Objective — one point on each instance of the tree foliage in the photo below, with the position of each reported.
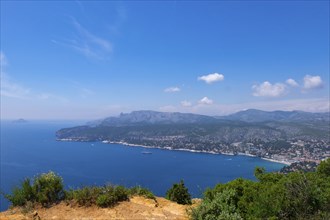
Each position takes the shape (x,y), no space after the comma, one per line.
(296,195)
(179,193)
(324,168)
(45,189)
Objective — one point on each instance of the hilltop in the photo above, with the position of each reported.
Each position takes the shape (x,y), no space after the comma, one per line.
(137,208)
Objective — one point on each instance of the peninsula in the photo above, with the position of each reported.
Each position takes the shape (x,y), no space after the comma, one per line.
(280,136)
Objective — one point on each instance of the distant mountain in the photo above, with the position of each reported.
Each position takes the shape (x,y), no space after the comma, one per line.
(145,117)
(21,120)
(253,115)
(289,136)
(152,117)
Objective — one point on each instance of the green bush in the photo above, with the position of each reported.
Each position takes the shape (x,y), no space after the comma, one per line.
(295,195)
(179,193)
(222,206)
(86,196)
(324,168)
(20,196)
(120,193)
(105,196)
(139,191)
(105,201)
(46,189)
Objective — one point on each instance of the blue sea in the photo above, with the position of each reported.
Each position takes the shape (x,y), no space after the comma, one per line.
(28,149)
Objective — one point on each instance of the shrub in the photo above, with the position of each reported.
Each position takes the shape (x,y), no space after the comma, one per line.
(222,206)
(120,193)
(20,196)
(105,200)
(139,191)
(86,196)
(46,189)
(324,168)
(179,193)
(105,196)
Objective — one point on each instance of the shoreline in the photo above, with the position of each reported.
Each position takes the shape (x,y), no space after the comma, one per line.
(197,151)
(183,149)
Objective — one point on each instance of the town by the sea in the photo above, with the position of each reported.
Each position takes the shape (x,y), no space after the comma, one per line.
(30,148)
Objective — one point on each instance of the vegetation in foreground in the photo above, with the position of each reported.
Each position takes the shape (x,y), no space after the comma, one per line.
(297,195)
(179,194)
(47,189)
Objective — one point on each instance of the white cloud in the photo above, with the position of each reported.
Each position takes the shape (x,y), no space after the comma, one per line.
(211,78)
(312,82)
(87,43)
(292,82)
(205,101)
(11,89)
(3,60)
(52,97)
(267,89)
(186,103)
(172,89)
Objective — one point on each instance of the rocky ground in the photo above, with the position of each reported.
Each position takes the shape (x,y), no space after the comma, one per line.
(136,208)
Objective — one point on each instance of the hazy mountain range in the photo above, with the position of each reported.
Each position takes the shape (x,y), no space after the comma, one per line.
(251,115)
(243,126)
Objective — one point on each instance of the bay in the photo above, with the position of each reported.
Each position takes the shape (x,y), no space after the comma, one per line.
(28,149)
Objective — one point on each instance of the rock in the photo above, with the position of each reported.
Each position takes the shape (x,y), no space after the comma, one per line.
(36,216)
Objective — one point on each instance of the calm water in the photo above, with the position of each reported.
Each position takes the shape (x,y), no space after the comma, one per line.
(30,148)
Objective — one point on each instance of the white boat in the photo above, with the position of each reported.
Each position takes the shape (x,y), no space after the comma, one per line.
(146,152)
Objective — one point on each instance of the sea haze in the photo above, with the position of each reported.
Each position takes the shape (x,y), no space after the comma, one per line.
(30,148)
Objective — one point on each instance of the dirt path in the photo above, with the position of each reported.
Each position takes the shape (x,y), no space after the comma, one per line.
(136,208)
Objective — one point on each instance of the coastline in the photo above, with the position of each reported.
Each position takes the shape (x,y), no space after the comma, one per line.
(198,151)
(277,161)
(183,149)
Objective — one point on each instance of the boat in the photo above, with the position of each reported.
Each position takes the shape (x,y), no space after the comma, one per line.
(146,152)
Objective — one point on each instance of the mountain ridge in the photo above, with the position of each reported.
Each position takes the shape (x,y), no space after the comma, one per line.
(143,117)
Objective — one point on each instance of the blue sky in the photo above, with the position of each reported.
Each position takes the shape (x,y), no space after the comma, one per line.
(91,59)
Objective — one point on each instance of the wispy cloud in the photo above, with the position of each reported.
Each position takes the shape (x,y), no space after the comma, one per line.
(80,5)
(11,89)
(8,87)
(85,93)
(205,101)
(186,103)
(52,97)
(211,78)
(172,89)
(312,82)
(82,90)
(3,60)
(266,89)
(121,16)
(87,43)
